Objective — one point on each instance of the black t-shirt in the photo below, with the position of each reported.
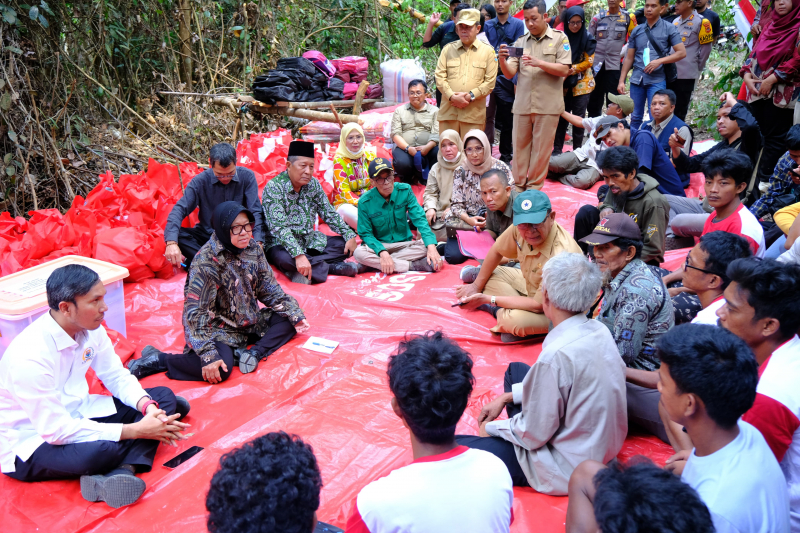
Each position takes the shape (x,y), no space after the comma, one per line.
(713,18)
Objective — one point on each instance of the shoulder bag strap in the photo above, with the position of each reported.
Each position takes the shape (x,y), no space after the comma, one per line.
(657,48)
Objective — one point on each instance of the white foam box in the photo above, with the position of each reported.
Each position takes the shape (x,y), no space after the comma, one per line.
(23,296)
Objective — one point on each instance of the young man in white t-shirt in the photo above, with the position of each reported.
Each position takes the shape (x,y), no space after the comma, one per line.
(708,380)
(762,309)
(448,487)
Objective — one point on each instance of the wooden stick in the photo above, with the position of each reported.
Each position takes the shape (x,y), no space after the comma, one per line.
(307,114)
(362,90)
(336,115)
(336,103)
(411,11)
(378,29)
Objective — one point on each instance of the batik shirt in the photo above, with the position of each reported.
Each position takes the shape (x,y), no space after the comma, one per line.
(351,179)
(290,216)
(467,190)
(636,307)
(222,295)
(780,185)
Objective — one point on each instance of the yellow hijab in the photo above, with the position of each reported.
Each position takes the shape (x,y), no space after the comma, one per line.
(343,151)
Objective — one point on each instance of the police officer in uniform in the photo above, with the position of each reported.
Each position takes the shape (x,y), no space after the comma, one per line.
(697,36)
(611,28)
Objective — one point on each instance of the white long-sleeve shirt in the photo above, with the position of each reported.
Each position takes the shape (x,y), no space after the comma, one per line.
(44,396)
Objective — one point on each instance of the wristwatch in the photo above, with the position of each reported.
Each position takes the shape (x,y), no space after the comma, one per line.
(471,96)
(494,299)
(405,149)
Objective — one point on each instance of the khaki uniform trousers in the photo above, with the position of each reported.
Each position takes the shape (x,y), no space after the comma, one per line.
(533,144)
(461,127)
(402,253)
(506,281)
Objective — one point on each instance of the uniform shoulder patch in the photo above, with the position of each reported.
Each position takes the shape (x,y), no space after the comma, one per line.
(566,47)
(706,34)
(652,229)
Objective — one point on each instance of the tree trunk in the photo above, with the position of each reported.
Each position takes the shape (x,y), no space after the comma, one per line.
(185,35)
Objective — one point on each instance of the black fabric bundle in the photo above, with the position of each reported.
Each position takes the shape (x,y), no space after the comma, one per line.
(296,79)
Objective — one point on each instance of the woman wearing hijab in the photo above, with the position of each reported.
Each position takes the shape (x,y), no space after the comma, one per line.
(467,209)
(227,279)
(772,76)
(350,177)
(439,190)
(578,86)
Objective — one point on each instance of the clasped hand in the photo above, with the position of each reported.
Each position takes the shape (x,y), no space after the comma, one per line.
(156,425)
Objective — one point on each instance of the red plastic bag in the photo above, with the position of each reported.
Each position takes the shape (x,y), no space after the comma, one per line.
(139,250)
(48,230)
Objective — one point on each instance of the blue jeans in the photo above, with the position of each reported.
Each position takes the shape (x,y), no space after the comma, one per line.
(777,248)
(642,94)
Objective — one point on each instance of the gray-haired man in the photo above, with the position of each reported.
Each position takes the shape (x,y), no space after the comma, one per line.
(570,405)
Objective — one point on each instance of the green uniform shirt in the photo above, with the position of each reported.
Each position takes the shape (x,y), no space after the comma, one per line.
(381,220)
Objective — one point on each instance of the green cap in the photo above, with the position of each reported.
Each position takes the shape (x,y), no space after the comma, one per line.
(531,207)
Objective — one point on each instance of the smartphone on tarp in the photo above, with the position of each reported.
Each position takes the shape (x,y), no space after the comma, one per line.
(183,457)
(322,527)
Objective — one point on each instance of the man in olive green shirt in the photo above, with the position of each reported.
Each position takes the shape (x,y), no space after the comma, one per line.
(466,75)
(383,215)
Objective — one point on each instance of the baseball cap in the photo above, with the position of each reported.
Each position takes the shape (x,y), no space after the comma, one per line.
(378,165)
(624,102)
(470,17)
(613,226)
(531,207)
(604,125)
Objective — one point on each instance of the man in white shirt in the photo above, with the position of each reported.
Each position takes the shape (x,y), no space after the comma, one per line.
(52,428)
(448,487)
(578,168)
(708,381)
(705,267)
(569,406)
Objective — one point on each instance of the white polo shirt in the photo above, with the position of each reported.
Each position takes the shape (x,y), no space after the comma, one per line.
(44,396)
(709,314)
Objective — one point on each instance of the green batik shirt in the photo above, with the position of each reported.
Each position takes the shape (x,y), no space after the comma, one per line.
(290,216)
(381,220)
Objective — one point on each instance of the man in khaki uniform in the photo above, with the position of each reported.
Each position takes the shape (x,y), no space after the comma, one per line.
(465,75)
(539,102)
(513,295)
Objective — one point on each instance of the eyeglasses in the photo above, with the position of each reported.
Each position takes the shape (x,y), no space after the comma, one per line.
(478,150)
(386,179)
(237,230)
(687,265)
(416,94)
(577,23)
(225,176)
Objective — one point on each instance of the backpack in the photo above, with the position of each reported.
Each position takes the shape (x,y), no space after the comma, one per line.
(321,62)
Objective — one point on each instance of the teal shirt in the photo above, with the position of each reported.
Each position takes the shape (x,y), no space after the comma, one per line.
(381,220)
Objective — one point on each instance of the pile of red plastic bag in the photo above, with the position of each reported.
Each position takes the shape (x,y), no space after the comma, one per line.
(123,221)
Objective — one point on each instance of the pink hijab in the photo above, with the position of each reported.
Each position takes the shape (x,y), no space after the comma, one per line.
(777,43)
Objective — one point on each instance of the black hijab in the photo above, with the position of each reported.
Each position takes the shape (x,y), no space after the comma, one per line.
(579,42)
(222,220)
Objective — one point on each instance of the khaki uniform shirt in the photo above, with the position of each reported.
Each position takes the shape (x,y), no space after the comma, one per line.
(537,91)
(417,128)
(511,244)
(611,32)
(461,70)
(574,405)
(698,37)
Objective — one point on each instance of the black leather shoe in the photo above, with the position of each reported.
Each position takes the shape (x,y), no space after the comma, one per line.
(147,365)
(343,269)
(117,488)
(182,407)
(489,308)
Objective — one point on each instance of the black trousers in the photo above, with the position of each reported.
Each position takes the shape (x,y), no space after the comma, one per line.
(333,253)
(404,164)
(577,106)
(683,91)
(69,461)
(189,367)
(605,81)
(438,98)
(585,221)
(190,240)
(773,122)
(503,449)
(504,121)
